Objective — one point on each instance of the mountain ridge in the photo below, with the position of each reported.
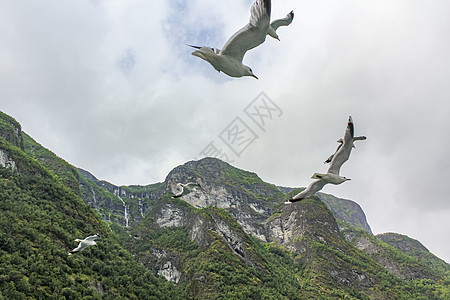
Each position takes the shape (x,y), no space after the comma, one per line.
(236,240)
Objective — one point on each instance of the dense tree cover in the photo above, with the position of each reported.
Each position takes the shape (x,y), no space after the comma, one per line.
(40,219)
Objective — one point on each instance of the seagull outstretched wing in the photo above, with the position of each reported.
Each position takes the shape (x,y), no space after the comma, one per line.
(343,153)
(313,188)
(283,22)
(253,34)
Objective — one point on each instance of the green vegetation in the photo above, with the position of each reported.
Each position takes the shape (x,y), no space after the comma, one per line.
(40,219)
(59,168)
(42,212)
(213,270)
(10,130)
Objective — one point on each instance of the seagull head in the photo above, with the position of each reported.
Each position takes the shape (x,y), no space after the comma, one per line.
(248,72)
(273,34)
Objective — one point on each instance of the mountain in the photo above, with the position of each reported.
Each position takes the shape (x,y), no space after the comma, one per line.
(41,215)
(234,240)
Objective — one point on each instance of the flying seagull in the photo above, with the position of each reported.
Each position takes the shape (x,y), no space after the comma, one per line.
(185,189)
(83,244)
(280,22)
(338,159)
(229,59)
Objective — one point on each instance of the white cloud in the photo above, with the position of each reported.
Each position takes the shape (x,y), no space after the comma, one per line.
(110,86)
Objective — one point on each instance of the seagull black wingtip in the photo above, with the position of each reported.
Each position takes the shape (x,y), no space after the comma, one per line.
(268,6)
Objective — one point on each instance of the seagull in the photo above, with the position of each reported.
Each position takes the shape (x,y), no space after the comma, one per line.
(229,59)
(83,244)
(280,22)
(185,189)
(332,176)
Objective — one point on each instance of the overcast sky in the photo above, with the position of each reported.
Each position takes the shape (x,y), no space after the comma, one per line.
(111,87)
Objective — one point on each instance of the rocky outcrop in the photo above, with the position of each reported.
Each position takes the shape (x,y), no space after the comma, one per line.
(6,162)
(297,220)
(243,194)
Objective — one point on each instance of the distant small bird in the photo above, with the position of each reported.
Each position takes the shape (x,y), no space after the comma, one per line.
(229,59)
(280,22)
(83,244)
(185,189)
(332,176)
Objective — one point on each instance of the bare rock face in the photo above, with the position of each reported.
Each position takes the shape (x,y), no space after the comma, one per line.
(249,203)
(170,272)
(169,216)
(295,221)
(6,162)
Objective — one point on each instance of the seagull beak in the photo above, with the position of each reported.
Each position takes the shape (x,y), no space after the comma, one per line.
(253,75)
(196,47)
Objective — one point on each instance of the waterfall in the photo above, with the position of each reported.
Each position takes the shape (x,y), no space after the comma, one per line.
(141,208)
(95,199)
(125,209)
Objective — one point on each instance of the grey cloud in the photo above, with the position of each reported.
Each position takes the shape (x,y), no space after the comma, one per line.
(384,63)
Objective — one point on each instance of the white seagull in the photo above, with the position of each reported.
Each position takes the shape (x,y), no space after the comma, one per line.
(229,59)
(83,244)
(338,159)
(280,22)
(185,189)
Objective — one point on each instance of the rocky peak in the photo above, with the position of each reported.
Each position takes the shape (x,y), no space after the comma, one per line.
(347,211)
(243,194)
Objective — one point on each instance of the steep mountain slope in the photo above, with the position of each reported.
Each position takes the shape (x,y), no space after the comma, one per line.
(41,216)
(235,240)
(327,264)
(416,250)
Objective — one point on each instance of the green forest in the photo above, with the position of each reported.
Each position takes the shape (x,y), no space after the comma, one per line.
(43,211)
